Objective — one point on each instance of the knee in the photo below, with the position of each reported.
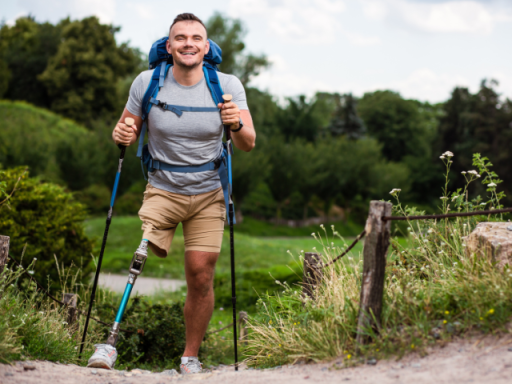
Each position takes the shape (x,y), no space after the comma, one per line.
(201,284)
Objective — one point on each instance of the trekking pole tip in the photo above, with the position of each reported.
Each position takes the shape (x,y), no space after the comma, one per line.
(129,121)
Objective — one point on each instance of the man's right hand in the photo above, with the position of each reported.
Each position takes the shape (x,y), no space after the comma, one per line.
(124,134)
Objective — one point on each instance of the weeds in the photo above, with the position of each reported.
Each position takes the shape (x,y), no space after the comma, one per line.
(434,289)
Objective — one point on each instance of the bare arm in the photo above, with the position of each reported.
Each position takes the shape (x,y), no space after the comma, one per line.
(245,139)
(122,134)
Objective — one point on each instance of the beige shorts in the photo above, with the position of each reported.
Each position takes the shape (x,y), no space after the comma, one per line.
(202,217)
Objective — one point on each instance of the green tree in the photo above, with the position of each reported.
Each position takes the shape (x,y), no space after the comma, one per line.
(396,123)
(81,78)
(344,119)
(25,49)
(228,34)
(305,119)
(479,123)
(284,172)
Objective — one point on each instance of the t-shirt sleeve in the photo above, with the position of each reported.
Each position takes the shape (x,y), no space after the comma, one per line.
(236,89)
(134,104)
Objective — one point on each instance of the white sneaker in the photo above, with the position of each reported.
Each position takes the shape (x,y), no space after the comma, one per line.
(192,366)
(104,356)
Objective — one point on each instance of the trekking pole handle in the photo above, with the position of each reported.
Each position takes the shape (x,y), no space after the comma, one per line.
(227,98)
(129,122)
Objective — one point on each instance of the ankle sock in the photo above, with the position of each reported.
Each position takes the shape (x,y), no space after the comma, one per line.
(186,359)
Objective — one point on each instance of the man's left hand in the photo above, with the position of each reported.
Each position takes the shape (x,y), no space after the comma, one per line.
(230,114)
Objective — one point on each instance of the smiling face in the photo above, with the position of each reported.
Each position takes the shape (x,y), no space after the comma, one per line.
(188,44)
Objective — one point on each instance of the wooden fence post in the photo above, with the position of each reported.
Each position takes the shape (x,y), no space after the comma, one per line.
(376,245)
(4,251)
(312,274)
(70,299)
(242,320)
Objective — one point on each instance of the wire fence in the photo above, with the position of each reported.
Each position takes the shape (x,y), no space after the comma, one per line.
(322,265)
(448,215)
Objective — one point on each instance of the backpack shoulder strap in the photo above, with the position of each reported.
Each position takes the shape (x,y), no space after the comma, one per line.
(156,82)
(212,80)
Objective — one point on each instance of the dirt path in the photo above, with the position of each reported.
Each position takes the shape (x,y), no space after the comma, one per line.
(143,286)
(486,360)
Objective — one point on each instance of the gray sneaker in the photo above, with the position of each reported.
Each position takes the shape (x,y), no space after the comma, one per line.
(104,356)
(192,366)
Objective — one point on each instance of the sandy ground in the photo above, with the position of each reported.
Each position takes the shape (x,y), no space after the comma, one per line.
(485,360)
(143,285)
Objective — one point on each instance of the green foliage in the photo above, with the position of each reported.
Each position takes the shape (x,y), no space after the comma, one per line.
(480,123)
(228,34)
(345,119)
(304,119)
(252,284)
(25,49)
(81,77)
(158,333)
(44,222)
(434,290)
(30,327)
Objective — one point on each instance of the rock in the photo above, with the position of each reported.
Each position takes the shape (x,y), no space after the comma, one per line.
(492,240)
(436,332)
(169,372)
(94,372)
(510,349)
(371,361)
(28,366)
(8,374)
(136,371)
(416,365)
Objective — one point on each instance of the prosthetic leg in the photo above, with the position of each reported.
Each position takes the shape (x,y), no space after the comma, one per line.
(105,355)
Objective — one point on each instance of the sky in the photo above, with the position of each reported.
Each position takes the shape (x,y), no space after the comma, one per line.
(419,48)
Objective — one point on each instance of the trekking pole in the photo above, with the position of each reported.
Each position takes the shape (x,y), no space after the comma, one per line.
(227,98)
(129,122)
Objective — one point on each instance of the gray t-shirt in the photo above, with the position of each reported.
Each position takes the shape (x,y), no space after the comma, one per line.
(195,138)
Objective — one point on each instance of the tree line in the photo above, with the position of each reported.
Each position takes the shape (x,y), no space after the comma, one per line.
(312,153)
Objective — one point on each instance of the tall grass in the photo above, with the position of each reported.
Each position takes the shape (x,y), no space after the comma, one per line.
(434,289)
(34,327)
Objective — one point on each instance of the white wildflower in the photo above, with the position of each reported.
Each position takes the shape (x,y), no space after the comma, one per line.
(443,198)
(31,272)
(492,185)
(473,172)
(463,172)
(395,191)
(455,197)
(441,157)
(448,154)
(431,230)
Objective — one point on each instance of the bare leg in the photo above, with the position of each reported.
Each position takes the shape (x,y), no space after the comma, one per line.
(199,271)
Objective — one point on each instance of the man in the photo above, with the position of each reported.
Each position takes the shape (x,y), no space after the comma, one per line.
(194,199)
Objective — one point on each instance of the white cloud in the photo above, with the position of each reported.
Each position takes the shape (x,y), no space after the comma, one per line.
(361,40)
(296,21)
(462,16)
(77,9)
(425,84)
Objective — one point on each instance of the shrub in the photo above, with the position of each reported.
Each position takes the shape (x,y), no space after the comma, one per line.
(44,222)
(250,285)
(158,336)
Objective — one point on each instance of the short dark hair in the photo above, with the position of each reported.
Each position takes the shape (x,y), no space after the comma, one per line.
(186,17)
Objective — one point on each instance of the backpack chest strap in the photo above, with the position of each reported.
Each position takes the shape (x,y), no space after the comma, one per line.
(179,109)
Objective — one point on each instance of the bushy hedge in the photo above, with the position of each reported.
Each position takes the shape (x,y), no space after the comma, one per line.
(48,221)
(158,333)
(253,283)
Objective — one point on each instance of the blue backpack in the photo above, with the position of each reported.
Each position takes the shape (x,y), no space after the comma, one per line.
(160,61)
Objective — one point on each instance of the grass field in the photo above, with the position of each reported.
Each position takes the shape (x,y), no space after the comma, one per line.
(251,251)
